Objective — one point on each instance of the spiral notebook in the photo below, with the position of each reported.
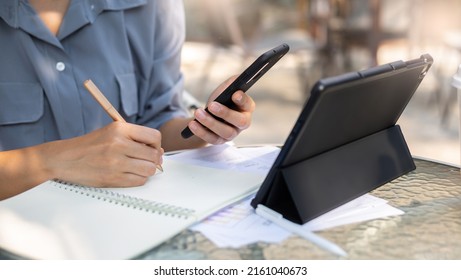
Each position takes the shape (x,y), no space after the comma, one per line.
(56,220)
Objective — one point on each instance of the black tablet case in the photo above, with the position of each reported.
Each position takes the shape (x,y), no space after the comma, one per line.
(345,142)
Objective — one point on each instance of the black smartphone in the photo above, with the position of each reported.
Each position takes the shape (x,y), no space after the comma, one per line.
(245,80)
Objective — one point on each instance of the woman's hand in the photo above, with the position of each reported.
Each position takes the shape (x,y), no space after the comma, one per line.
(117,155)
(214,131)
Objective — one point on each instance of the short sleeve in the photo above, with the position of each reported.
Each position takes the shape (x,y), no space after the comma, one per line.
(156,35)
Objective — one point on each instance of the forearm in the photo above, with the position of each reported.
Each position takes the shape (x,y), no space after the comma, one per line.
(172,139)
(23,169)
(117,155)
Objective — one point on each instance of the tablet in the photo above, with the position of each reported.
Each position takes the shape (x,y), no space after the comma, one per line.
(341,110)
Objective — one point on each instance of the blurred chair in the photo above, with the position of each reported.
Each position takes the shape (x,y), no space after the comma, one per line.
(445,95)
(245,26)
(365,25)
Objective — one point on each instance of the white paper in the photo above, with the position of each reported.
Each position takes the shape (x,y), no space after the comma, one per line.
(364,208)
(250,159)
(239,225)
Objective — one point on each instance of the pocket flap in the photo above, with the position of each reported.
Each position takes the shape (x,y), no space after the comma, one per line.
(20,103)
(128,93)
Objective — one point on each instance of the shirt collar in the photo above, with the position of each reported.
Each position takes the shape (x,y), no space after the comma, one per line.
(82,12)
(9,12)
(85,11)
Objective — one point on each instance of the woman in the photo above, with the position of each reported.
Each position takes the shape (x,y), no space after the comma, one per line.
(51,127)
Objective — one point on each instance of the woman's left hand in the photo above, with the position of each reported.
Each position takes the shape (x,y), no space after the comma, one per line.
(214,131)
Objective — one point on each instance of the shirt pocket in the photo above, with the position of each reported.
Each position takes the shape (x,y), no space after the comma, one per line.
(21,108)
(128,93)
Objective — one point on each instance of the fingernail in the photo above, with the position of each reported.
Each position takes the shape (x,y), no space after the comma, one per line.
(193,125)
(238,97)
(215,107)
(200,114)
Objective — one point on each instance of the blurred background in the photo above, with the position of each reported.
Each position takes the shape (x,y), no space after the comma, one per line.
(328,37)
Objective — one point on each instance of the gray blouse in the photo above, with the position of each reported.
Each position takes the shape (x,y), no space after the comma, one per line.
(130,49)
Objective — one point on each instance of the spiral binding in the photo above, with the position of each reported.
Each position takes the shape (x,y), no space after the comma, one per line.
(126,200)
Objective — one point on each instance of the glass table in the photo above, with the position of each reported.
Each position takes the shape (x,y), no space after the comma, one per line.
(430,196)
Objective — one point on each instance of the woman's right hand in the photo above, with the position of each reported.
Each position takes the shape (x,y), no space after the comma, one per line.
(117,155)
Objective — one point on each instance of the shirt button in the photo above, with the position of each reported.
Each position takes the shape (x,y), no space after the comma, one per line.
(60,66)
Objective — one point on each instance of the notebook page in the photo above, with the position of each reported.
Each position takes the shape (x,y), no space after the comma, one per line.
(203,189)
(48,222)
(59,221)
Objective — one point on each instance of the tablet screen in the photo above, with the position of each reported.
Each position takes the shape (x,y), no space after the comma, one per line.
(348,107)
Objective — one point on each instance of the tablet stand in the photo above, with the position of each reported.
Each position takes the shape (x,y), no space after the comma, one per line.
(305,190)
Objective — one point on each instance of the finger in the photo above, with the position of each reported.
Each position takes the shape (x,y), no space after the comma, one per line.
(240,120)
(221,88)
(124,143)
(127,180)
(140,151)
(141,168)
(205,134)
(145,135)
(145,144)
(126,173)
(221,129)
(243,101)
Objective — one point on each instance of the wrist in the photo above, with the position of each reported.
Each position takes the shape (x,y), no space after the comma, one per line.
(23,169)
(43,157)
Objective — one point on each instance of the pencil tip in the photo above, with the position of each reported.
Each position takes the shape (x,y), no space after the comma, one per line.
(160,168)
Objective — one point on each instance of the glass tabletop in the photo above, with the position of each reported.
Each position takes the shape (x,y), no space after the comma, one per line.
(430,196)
